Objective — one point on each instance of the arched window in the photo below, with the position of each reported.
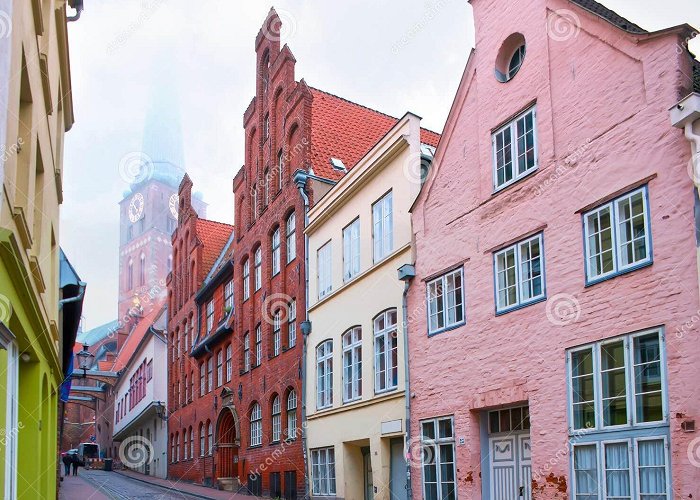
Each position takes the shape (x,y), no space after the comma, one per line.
(255,425)
(172,448)
(191,442)
(142,270)
(276,333)
(266,127)
(210,438)
(265,72)
(246,279)
(276,419)
(187,391)
(254,201)
(324,375)
(130,275)
(258,268)
(280,166)
(229,362)
(292,415)
(276,252)
(386,374)
(177,447)
(258,345)
(185,444)
(202,443)
(193,278)
(246,352)
(352,364)
(291,237)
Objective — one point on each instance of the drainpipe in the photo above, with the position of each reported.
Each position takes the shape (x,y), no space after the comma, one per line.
(77,298)
(78,6)
(406,273)
(694,139)
(300,179)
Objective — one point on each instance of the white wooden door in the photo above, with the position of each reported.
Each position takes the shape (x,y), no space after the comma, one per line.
(510,467)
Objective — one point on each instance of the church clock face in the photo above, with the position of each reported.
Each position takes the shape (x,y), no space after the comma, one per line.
(136,207)
(174,202)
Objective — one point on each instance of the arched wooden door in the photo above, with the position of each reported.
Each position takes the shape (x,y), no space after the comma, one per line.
(227,443)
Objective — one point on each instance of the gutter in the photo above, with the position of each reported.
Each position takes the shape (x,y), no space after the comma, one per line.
(77,298)
(406,273)
(300,179)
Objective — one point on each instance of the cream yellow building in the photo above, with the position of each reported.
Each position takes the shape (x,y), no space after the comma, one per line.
(35,111)
(359,235)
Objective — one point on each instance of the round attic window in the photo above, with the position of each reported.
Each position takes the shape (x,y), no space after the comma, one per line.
(510,57)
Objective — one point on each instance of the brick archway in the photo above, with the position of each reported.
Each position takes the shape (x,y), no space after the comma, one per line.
(227,443)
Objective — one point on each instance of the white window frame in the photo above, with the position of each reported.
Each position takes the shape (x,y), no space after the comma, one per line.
(291,225)
(383,227)
(246,352)
(323,483)
(351,250)
(352,364)
(324,375)
(277,333)
(258,345)
(229,362)
(389,335)
(210,438)
(292,415)
(202,379)
(202,441)
(436,454)
(324,269)
(436,296)
(258,268)
(630,387)
(276,252)
(210,374)
(210,318)
(219,368)
(514,149)
(256,425)
(292,324)
(246,280)
(228,296)
(516,248)
(276,419)
(613,208)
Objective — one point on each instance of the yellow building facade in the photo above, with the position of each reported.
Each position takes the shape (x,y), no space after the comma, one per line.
(359,235)
(35,111)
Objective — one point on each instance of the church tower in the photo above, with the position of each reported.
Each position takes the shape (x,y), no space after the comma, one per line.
(149,210)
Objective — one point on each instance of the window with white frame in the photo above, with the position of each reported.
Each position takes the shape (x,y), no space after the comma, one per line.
(202,380)
(210,374)
(324,265)
(618,382)
(515,150)
(187,390)
(635,467)
(446,301)
(386,369)
(210,438)
(383,227)
(191,442)
(280,166)
(617,235)
(246,280)
(276,419)
(292,415)
(258,269)
(202,443)
(246,352)
(256,425)
(177,447)
(519,274)
(228,297)
(210,316)
(438,461)
(219,368)
(323,471)
(229,362)
(351,250)
(276,333)
(291,237)
(352,364)
(324,375)
(185,444)
(258,345)
(276,252)
(292,324)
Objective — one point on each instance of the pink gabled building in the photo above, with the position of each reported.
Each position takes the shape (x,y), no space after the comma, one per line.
(553,315)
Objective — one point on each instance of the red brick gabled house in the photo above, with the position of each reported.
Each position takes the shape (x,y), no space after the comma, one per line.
(197,244)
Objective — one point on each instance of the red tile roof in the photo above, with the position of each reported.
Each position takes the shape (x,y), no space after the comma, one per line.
(346,130)
(213,236)
(135,337)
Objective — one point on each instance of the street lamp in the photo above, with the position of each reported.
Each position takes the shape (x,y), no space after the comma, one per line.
(161,411)
(84,360)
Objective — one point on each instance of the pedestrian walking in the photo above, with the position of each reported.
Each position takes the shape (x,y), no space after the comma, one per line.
(75,462)
(66,459)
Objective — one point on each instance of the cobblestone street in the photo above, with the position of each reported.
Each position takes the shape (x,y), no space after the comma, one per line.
(100,485)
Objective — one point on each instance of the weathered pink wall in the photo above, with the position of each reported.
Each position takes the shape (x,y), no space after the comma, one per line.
(602,105)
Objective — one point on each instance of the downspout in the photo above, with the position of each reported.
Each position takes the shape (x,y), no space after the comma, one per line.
(406,273)
(77,298)
(300,179)
(694,140)
(78,6)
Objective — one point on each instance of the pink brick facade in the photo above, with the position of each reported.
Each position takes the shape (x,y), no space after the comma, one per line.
(602,130)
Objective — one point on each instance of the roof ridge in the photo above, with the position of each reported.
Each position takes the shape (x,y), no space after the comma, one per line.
(600,10)
(216,222)
(354,103)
